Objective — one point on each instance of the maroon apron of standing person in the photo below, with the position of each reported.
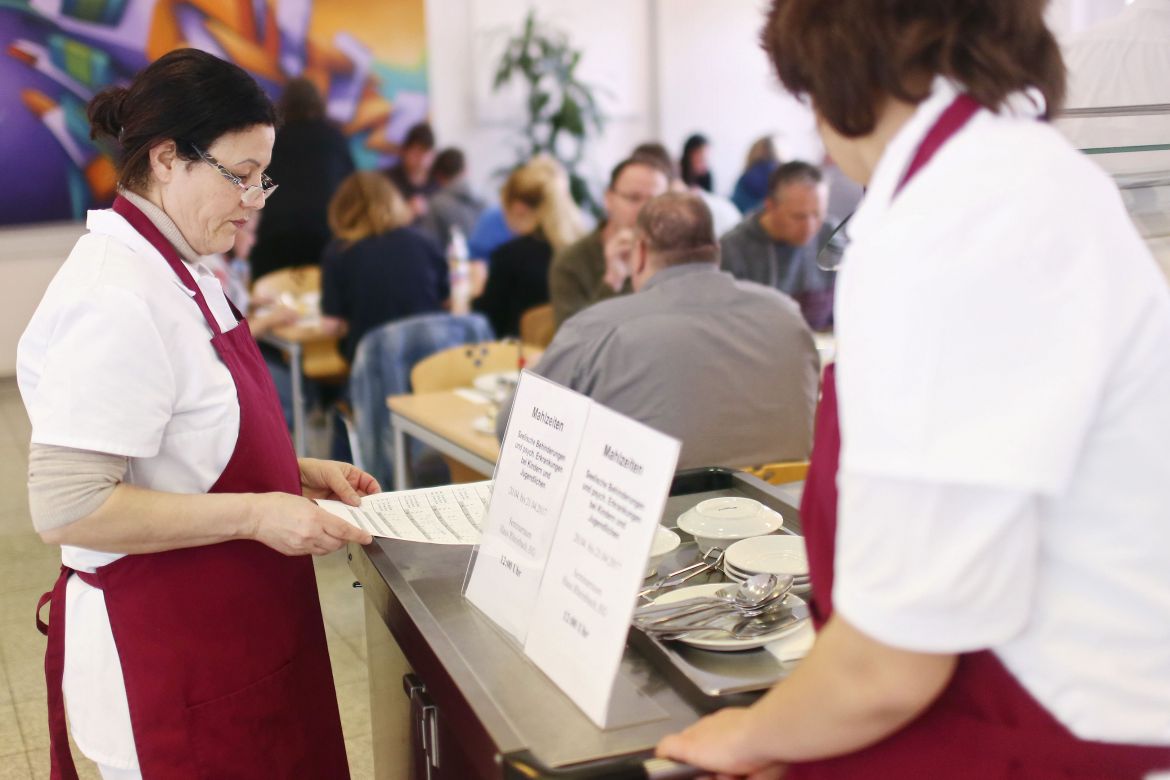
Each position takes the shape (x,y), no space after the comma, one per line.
(984,724)
(222,646)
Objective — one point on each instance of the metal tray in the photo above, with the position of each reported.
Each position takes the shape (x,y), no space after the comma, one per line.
(711,680)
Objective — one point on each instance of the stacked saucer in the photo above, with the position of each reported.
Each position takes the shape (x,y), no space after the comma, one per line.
(779,554)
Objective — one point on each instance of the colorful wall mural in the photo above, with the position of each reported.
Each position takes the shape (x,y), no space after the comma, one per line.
(367,58)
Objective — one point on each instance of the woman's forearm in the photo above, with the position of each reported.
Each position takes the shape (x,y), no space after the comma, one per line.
(136,520)
(850,692)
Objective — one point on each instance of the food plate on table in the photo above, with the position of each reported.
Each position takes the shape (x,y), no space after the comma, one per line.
(715,640)
(484,424)
(494,382)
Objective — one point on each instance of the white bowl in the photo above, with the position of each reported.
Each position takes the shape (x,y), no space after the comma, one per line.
(717,522)
(666,541)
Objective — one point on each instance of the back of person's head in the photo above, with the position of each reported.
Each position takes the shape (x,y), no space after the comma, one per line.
(794,172)
(420,135)
(366,204)
(300,102)
(187,96)
(449,165)
(849,57)
(677,228)
(542,185)
(763,149)
(655,154)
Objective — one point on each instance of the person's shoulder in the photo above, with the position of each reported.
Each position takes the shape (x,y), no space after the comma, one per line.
(575,252)
(743,292)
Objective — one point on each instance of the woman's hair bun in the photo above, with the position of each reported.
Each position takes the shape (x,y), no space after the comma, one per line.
(106,116)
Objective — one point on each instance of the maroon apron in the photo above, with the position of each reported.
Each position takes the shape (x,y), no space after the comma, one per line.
(984,724)
(222,646)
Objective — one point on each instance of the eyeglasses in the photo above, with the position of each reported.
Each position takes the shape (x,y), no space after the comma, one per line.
(250,194)
(832,252)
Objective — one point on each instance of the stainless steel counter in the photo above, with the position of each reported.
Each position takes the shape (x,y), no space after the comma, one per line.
(489,698)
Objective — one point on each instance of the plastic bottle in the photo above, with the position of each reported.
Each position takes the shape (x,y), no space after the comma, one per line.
(459,266)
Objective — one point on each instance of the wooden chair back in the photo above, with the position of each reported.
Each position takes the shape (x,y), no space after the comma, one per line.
(320,358)
(459,366)
(295,281)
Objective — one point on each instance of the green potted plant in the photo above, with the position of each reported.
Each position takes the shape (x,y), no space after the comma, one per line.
(562,113)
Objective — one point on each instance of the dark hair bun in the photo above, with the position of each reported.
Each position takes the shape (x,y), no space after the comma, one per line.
(105,112)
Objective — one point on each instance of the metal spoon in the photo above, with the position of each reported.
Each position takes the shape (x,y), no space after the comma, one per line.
(750,597)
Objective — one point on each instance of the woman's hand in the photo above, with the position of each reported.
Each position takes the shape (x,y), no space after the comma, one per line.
(293,525)
(722,743)
(334,480)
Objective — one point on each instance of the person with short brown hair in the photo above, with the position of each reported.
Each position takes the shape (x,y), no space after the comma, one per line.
(985,511)
(727,367)
(778,244)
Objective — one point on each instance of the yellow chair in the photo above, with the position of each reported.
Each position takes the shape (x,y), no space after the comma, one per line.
(537,326)
(458,367)
(320,358)
(781,472)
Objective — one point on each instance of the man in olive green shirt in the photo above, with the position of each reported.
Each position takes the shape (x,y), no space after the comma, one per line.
(598,266)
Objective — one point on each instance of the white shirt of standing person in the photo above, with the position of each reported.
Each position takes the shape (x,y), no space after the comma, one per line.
(118,359)
(1003,376)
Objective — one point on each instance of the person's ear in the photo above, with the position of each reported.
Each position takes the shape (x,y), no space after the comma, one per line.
(641,257)
(164,158)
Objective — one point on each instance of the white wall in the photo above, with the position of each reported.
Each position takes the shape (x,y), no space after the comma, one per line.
(464,38)
(714,78)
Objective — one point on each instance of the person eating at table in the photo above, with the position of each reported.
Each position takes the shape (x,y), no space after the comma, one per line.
(985,513)
(161,464)
(688,334)
(598,266)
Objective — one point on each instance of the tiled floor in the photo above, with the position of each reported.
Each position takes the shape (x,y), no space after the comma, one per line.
(28,567)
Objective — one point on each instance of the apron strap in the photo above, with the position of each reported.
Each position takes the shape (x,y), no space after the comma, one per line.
(152,234)
(949,122)
(60,755)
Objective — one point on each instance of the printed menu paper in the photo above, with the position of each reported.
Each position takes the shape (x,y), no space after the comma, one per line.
(616,495)
(532,475)
(452,514)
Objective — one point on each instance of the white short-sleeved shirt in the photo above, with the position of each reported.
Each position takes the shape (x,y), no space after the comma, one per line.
(118,359)
(1004,385)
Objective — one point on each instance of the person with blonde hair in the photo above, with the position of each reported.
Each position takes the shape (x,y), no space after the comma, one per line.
(539,209)
(377,269)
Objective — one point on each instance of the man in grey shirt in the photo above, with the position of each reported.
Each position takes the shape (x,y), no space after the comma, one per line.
(778,244)
(727,367)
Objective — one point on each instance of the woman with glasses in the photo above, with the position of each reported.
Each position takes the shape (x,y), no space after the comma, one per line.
(161,464)
(985,513)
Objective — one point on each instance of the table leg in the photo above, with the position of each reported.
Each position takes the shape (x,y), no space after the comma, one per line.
(401,464)
(298,399)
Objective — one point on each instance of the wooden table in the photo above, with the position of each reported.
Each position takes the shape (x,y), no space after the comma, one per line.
(442,420)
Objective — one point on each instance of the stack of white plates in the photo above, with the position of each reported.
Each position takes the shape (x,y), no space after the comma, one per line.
(781,554)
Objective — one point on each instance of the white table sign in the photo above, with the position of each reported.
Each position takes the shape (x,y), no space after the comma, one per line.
(532,475)
(615,498)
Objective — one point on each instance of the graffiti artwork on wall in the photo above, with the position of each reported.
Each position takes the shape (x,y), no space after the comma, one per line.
(367,58)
